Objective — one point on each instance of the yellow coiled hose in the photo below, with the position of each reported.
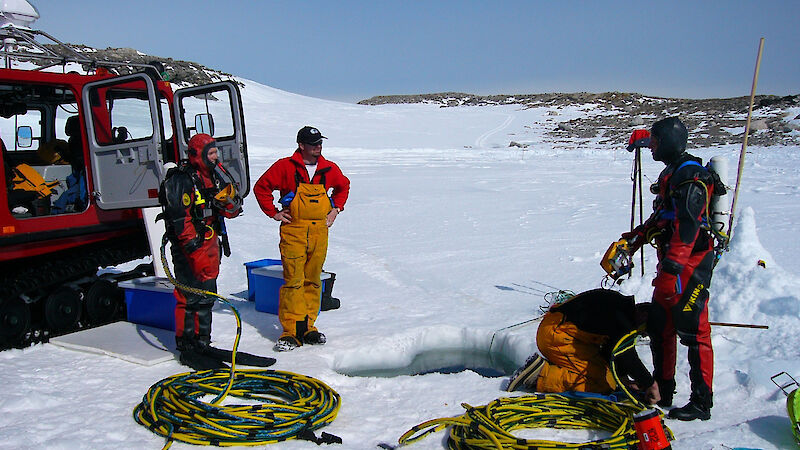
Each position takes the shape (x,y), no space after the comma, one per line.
(275,406)
(490,426)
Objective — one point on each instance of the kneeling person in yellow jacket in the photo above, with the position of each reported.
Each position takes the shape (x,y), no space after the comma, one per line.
(576,338)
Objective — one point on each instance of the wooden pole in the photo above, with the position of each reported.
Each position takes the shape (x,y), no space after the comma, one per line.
(738,325)
(744,143)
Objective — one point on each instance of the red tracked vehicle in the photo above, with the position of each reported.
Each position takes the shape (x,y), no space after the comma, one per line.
(104,138)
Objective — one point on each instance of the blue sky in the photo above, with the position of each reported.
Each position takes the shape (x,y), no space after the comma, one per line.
(351,50)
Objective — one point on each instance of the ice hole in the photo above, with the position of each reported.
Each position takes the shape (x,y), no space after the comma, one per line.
(437,350)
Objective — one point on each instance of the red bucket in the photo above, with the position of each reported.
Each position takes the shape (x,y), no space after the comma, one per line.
(650,431)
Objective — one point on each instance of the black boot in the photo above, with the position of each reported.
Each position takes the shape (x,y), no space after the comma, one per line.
(286,344)
(690,411)
(699,407)
(191,354)
(667,389)
(314,337)
(202,341)
(184,343)
(329,302)
(527,375)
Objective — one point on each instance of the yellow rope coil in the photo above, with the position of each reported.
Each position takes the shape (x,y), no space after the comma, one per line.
(490,427)
(279,405)
(276,406)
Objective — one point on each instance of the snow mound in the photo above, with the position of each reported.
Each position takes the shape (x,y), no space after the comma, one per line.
(739,279)
(743,291)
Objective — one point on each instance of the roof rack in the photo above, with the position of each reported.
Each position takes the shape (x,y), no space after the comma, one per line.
(21,44)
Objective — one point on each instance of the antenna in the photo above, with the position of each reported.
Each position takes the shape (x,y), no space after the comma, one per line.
(17,12)
(43,51)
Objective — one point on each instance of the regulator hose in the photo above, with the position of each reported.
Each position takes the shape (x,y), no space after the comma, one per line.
(277,405)
(490,426)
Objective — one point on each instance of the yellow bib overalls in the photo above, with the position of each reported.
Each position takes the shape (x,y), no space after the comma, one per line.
(303,246)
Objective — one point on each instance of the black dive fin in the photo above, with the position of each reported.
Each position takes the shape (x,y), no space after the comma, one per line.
(243,358)
(199,361)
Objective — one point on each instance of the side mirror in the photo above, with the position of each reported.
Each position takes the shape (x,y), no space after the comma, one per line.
(204,123)
(24,137)
(119,134)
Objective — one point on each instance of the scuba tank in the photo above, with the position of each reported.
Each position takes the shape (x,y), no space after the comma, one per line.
(720,204)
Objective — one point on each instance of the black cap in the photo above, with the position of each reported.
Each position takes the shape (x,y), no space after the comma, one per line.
(309,135)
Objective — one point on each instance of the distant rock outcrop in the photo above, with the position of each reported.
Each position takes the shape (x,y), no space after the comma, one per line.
(611,116)
(180,72)
(607,118)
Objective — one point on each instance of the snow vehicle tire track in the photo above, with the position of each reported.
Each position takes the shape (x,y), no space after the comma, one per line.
(481,141)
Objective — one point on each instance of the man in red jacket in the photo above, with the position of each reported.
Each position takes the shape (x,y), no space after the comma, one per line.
(304,181)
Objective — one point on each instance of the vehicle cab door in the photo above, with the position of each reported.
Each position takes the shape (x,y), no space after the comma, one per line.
(121,121)
(215,109)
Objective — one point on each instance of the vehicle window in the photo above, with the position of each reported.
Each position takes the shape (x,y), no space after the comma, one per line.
(46,177)
(120,115)
(63,112)
(130,120)
(168,144)
(218,105)
(166,118)
(9,126)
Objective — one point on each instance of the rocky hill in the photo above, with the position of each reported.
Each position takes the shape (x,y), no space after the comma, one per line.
(712,122)
(179,72)
(610,115)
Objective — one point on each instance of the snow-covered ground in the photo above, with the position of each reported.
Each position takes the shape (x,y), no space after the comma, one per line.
(449,236)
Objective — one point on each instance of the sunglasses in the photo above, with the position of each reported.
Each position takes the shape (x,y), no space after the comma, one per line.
(318,144)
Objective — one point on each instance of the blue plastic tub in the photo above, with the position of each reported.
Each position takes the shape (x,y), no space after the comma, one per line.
(150,301)
(267,282)
(251,285)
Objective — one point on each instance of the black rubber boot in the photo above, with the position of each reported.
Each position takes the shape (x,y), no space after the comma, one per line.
(287,344)
(314,337)
(183,343)
(527,375)
(329,302)
(667,389)
(699,407)
(191,354)
(690,411)
(201,341)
